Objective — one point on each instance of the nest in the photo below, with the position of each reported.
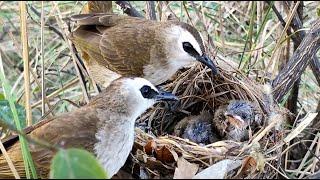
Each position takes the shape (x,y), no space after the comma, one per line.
(156,151)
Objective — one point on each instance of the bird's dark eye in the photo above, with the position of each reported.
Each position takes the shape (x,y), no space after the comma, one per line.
(187,47)
(148,92)
(244,116)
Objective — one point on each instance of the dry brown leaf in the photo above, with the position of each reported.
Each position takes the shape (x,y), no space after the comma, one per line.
(255,161)
(164,155)
(184,169)
(150,147)
(174,154)
(248,165)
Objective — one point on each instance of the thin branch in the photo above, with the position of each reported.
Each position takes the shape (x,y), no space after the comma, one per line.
(68,85)
(74,58)
(151,10)
(292,103)
(128,9)
(11,166)
(297,63)
(43,89)
(51,27)
(25,57)
(296,25)
(286,27)
(28,163)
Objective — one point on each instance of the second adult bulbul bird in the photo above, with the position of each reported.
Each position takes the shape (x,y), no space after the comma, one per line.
(115,45)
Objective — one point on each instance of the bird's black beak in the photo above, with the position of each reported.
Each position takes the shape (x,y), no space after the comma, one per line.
(166,96)
(208,62)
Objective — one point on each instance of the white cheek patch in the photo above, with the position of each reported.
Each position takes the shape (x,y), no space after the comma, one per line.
(137,83)
(134,85)
(183,36)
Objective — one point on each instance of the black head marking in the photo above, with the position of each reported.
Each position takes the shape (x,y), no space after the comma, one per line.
(148,92)
(194,32)
(187,47)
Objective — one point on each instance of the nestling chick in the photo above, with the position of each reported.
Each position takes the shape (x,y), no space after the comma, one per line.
(232,121)
(219,123)
(197,129)
(105,127)
(240,115)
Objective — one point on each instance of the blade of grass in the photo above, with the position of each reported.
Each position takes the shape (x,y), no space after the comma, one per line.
(67,85)
(24,39)
(282,35)
(25,56)
(6,88)
(62,25)
(249,35)
(43,92)
(264,21)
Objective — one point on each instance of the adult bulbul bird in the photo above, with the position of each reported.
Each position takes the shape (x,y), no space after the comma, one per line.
(116,45)
(105,126)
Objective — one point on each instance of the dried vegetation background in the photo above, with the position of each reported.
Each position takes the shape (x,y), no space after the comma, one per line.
(250,45)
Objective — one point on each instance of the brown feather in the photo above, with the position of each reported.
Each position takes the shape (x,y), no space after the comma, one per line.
(65,130)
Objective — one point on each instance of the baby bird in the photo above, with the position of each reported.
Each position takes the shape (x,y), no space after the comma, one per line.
(197,129)
(232,121)
(104,127)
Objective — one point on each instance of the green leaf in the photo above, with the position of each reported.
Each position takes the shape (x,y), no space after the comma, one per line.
(2,97)
(6,113)
(76,163)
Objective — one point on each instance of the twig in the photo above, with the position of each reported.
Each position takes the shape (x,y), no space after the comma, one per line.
(151,10)
(43,89)
(55,105)
(202,23)
(57,92)
(25,56)
(316,159)
(128,9)
(51,27)
(292,103)
(297,26)
(281,36)
(166,3)
(297,63)
(11,166)
(74,58)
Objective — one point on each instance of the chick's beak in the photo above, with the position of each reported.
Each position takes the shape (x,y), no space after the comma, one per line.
(165,96)
(208,62)
(234,120)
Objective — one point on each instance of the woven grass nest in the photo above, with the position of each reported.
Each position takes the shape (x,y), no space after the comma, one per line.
(157,152)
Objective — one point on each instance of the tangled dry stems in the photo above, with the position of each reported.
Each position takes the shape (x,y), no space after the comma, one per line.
(198,91)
